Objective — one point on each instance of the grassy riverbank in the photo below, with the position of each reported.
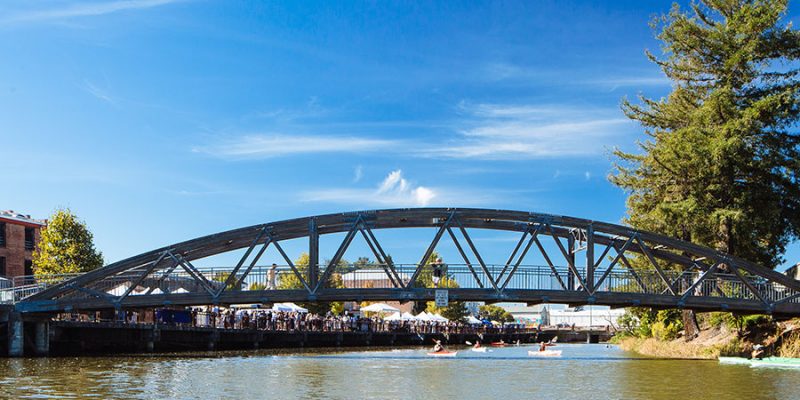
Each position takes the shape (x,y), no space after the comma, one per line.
(720,339)
(709,345)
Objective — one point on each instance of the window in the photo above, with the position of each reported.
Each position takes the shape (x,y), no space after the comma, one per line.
(28,272)
(28,239)
(2,266)
(2,234)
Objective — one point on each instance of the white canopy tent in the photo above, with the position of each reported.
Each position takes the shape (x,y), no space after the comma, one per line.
(400,317)
(380,307)
(288,307)
(439,318)
(473,320)
(423,316)
(394,317)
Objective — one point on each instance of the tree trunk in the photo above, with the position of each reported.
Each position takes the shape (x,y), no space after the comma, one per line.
(690,325)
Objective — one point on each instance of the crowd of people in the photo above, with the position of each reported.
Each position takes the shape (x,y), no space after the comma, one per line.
(267,319)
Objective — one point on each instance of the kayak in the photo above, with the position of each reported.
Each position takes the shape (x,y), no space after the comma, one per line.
(778,362)
(479,350)
(499,344)
(734,360)
(443,354)
(546,353)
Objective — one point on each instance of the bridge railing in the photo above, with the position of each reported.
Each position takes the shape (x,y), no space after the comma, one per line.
(28,285)
(210,280)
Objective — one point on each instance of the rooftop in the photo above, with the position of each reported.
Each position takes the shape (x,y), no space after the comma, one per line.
(13,216)
(369,275)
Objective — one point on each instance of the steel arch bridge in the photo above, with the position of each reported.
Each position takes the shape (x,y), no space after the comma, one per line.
(584,262)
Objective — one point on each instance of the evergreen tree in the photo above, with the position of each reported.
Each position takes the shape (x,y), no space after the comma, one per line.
(66,246)
(721,166)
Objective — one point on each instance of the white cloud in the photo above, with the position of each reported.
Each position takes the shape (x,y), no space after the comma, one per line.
(396,191)
(83,10)
(587,175)
(358,173)
(270,146)
(526,132)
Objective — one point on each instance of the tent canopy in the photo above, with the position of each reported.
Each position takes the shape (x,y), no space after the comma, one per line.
(288,307)
(400,317)
(380,307)
(438,318)
(473,320)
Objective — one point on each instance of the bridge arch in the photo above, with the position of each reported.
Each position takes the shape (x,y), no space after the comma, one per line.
(592,264)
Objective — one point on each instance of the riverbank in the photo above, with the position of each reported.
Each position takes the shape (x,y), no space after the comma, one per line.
(779,339)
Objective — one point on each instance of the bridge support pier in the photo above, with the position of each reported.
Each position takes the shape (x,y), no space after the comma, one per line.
(42,338)
(16,335)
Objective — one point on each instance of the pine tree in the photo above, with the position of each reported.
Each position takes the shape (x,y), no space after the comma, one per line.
(721,165)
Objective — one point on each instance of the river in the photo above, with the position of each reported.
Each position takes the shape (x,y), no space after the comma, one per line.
(583,372)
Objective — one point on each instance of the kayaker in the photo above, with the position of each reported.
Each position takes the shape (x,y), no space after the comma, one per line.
(542,346)
(477,345)
(758,352)
(437,348)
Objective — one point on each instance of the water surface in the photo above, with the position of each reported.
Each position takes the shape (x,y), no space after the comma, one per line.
(583,372)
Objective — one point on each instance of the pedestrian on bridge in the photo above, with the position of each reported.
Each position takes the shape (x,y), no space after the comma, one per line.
(437,271)
(271,285)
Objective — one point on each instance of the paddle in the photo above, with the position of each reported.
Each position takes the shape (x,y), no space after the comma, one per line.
(468,343)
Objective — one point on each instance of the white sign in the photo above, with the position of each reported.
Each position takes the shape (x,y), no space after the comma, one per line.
(441,298)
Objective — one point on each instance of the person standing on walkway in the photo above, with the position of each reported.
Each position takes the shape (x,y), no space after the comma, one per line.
(271,284)
(437,271)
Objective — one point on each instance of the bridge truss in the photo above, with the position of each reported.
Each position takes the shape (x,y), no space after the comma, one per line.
(579,262)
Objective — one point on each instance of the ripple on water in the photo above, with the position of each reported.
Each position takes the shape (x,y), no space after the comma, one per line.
(586,372)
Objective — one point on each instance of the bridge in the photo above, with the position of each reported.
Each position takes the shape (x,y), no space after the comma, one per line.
(555,259)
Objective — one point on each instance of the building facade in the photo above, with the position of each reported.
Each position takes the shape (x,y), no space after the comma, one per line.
(794,272)
(19,236)
(372,278)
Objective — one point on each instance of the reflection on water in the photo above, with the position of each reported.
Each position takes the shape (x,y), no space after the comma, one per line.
(584,371)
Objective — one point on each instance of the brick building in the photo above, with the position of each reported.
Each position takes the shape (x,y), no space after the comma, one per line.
(19,236)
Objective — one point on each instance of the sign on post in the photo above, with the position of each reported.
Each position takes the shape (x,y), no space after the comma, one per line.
(441,298)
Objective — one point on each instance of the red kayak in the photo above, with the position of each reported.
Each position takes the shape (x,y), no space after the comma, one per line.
(498,344)
(443,353)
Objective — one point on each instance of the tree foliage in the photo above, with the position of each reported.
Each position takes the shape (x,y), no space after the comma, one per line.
(721,163)
(288,280)
(455,310)
(66,246)
(222,277)
(495,313)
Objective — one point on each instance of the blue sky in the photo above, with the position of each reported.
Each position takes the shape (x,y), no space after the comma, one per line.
(158,121)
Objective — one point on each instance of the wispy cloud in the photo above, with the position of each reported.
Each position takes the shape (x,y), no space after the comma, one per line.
(270,146)
(516,73)
(395,190)
(358,173)
(527,132)
(82,10)
(98,92)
